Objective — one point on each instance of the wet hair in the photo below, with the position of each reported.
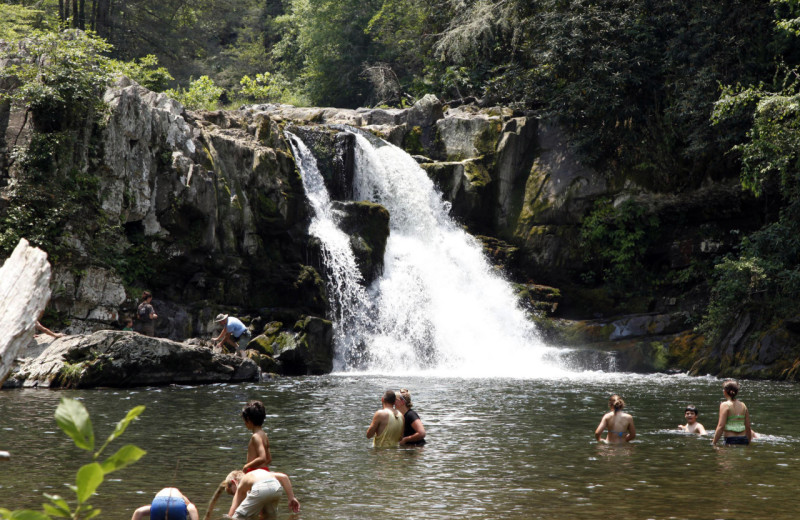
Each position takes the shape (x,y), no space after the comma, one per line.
(616,403)
(731,387)
(691,408)
(146,295)
(389,397)
(254,412)
(405,396)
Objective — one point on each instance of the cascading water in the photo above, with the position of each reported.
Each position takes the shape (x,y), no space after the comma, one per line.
(347,296)
(439,306)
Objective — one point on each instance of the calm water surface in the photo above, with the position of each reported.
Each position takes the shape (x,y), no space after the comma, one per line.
(498,448)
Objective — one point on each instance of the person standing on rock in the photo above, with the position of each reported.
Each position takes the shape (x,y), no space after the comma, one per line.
(146,315)
(234,333)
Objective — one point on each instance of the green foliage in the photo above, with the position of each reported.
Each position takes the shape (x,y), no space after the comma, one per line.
(145,71)
(73,419)
(202,94)
(615,241)
(61,76)
(17,21)
(261,88)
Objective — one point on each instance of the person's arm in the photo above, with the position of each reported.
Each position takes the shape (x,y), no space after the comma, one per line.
(153,314)
(631,431)
(266,449)
(194,514)
(294,505)
(260,459)
(223,336)
(419,434)
(700,430)
(723,413)
(600,428)
(747,430)
(142,512)
(374,425)
(238,498)
(683,427)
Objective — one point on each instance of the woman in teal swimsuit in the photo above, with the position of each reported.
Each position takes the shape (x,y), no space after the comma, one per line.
(619,424)
(734,418)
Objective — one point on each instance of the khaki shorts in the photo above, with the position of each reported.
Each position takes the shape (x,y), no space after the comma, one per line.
(263,496)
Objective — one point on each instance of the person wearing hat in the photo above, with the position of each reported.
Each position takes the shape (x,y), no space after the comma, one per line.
(234,333)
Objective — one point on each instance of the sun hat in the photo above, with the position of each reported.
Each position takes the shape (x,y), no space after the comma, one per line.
(221,317)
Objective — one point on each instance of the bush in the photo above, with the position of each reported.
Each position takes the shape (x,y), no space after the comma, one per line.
(202,94)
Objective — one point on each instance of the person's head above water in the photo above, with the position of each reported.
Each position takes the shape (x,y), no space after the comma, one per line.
(616,403)
(731,388)
(254,412)
(389,397)
(404,396)
(690,413)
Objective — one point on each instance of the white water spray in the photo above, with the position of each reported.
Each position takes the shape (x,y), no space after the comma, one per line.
(440,307)
(346,293)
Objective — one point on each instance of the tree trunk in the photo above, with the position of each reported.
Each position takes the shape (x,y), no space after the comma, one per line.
(24,293)
(75,14)
(82,16)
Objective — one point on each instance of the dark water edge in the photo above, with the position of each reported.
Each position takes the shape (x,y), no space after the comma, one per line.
(498,448)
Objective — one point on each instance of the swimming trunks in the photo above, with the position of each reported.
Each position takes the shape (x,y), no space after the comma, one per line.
(618,434)
(738,440)
(168,508)
(253,469)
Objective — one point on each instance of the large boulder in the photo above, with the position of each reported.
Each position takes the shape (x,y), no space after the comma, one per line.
(306,350)
(127,359)
(24,292)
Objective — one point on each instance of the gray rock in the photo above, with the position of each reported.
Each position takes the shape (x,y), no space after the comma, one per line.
(24,292)
(127,359)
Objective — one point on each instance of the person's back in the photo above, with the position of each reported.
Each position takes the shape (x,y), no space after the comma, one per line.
(387,423)
(392,432)
(618,423)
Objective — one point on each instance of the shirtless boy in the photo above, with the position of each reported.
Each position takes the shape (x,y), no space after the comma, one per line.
(258,455)
(387,423)
(692,426)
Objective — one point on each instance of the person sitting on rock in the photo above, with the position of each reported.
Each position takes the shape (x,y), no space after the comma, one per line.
(234,333)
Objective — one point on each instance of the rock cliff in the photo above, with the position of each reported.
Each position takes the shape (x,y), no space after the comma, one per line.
(207,210)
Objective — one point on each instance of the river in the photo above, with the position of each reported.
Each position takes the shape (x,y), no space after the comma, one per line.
(498,448)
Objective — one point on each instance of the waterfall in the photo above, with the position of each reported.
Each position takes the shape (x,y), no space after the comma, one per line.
(439,306)
(347,296)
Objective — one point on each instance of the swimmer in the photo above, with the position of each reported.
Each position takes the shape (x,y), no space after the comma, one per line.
(618,423)
(692,426)
(734,418)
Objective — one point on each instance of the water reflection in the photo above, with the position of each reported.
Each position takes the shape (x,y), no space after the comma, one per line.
(501,449)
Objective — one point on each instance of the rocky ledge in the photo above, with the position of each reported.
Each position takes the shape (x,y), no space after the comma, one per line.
(126,359)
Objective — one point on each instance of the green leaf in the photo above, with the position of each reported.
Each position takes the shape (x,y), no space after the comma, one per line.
(55,511)
(123,424)
(73,419)
(90,476)
(126,455)
(26,514)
